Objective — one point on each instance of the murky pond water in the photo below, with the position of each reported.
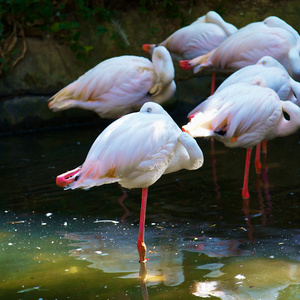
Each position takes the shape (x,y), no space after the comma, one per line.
(58,244)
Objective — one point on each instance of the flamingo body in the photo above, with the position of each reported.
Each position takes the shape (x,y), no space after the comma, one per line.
(135,151)
(272,73)
(272,37)
(120,85)
(198,38)
(243,115)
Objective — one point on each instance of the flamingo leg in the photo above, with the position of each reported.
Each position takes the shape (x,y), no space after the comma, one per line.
(269,204)
(213,162)
(264,146)
(212,90)
(213,82)
(245,192)
(257,162)
(141,243)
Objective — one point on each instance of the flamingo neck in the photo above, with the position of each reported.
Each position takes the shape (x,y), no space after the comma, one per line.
(291,124)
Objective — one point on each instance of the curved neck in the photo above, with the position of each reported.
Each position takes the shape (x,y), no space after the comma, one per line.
(287,127)
(213,17)
(163,67)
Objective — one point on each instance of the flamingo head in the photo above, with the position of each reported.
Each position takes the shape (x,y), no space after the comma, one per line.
(148,48)
(185,65)
(67,178)
(191,116)
(184,130)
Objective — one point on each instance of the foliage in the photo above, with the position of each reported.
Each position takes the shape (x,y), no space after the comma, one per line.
(62,19)
(21,18)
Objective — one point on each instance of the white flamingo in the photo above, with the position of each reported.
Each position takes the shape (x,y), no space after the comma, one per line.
(198,38)
(271,73)
(135,151)
(272,37)
(120,85)
(244,115)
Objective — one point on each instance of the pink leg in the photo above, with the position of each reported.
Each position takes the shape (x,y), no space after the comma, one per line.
(140,243)
(269,204)
(257,162)
(213,82)
(245,192)
(264,146)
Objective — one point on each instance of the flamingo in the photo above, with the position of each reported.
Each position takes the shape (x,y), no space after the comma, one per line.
(135,151)
(244,115)
(271,72)
(120,85)
(198,38)
(272,37)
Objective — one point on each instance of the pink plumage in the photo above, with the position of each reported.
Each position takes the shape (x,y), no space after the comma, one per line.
(120,85)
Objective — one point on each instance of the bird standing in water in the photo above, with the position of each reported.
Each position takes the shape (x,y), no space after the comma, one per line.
(135,151)
(273,73)
(244,115)
(272,37)
(269,71)
(120,85)
(198,38)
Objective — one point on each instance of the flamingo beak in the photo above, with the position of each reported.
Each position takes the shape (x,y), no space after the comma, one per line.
(147,48)
(67,178)
(184,130)
(192,116)
(185,65)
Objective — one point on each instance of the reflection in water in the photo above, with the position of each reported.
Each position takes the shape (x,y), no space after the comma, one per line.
(194,238)
(110,249)
(251,283)
(121,202)
(143,280)
(116,243)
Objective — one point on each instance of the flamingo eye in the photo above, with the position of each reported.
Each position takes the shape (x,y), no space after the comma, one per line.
(149,109)
(286,116)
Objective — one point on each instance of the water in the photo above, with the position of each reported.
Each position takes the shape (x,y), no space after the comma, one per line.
(201,241)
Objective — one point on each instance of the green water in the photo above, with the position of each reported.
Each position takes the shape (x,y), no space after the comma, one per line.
(201,243)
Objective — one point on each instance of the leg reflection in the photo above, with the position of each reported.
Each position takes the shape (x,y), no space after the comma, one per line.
(248,220)
(121,200)
(143,280)
(262,181)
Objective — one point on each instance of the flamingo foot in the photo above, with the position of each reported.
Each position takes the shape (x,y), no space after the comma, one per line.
(142,251)
(67,178)
(185,65)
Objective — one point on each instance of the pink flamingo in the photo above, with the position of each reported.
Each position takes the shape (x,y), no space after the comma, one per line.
(272,37)
(135,151)
(273,73)
(198,38)
(244,115)
(120,85)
